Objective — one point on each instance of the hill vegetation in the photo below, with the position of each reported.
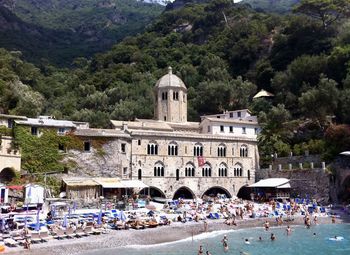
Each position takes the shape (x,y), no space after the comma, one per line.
(278,6)
(225,53)
(61,30)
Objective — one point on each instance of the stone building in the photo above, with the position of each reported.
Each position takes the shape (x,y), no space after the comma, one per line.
(177,158)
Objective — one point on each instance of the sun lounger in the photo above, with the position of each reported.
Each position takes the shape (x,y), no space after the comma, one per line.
(70,233)
(45,236)
(35,237)
(10,242)
(88,230)
(97,230)
(80,232)
(60,234)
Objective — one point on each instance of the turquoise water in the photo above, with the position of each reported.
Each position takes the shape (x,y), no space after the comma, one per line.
(301,241)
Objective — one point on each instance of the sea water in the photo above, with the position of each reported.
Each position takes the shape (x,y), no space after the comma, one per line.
(301,241)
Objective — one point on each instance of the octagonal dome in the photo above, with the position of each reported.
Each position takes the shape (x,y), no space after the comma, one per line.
(170,80)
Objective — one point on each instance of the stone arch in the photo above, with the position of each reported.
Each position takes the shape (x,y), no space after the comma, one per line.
(7,174)
(215,190)
(244,192)
(184,192)
(153,192)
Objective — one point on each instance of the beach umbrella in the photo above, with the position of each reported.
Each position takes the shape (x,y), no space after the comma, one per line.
(99,219)
(74,207)
(65,222)
(25,220)
(53,211)
(37,225)
(69,210)
(122,216)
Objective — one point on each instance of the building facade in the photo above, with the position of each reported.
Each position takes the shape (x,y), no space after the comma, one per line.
(177,158)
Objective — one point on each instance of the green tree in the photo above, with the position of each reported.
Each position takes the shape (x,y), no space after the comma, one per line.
(327,11)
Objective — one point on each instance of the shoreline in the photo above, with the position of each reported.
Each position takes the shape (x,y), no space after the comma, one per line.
(175,232)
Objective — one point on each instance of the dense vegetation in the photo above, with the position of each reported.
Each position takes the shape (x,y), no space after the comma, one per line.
(224,53)
(278,6)
(61,30)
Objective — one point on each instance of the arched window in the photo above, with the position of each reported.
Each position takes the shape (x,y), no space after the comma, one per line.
(222,150)
(198,150)
(139,174)
(152,148)
(164,95)
(175,96)
(222,170)
(172,149)
(243,151)
(237,170)
(159,169)
(206,170)
(189,170)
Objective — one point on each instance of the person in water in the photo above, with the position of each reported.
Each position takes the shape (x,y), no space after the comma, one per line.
(273,237)
(225,243)
(207,253)
(246,241)
(200,251)
(288,230)
(267,225)
(260,239)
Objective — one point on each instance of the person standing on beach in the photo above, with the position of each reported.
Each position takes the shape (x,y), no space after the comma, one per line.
(315,220)
(333,219)
(205,226)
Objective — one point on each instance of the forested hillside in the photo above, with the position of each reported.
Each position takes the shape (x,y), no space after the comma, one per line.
(278,6)
(225,53)
(61,30)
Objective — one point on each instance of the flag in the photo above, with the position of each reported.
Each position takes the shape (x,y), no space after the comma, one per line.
(201,161)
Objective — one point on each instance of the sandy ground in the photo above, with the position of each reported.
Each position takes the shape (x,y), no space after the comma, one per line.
(163,234)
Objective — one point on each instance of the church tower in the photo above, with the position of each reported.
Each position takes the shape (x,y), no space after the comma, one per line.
(170,99)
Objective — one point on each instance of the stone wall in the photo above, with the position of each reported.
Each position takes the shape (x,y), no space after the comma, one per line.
(295,160)
(305,183)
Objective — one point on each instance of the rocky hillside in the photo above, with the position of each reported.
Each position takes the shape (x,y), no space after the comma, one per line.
(61,30)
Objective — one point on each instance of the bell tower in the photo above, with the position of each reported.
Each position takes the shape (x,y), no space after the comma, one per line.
(170,99)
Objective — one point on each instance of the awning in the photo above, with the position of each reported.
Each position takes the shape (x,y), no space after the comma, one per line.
(74,182)
(345,153)
(284,186)
(272,183)
(134,184)
(15,187)
(109,183)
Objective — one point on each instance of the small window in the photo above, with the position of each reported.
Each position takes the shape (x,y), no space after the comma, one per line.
(221,128)
(177,174)
(87,146)
(125,171)
(244,131)
(218,117)
(123,147)
(164,118)
(139,175)
(61,130)
(10,123)
(239,114)
(139,142)
(34,130)
(256,131)
(208,129)
(231,129)
(231,114)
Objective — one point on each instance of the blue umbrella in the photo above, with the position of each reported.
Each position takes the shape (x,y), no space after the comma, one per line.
(25,221)
(65,222)
(69,211)
(122,216)
(37,226)
(99,219)
(2,226)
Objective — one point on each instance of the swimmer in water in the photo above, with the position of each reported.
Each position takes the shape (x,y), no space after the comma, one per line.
(200,251)
(207,253)
(314,234)
(273,237)
(225,243)
(288,230)
(246,241)
(267,225)
(260,239)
